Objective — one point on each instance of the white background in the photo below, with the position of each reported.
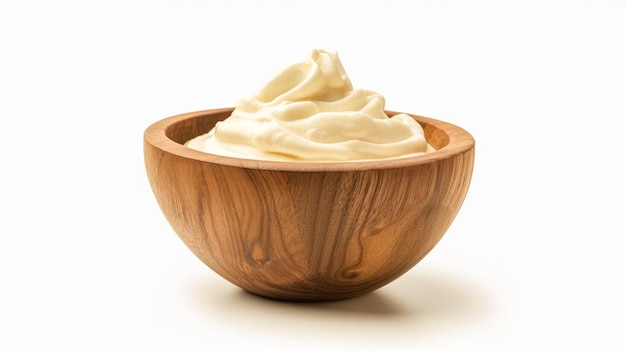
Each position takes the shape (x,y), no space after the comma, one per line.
(534,259)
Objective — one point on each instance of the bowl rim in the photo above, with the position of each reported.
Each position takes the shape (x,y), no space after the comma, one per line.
(460,141)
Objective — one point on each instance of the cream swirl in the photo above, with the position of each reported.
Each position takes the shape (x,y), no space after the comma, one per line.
(311,112)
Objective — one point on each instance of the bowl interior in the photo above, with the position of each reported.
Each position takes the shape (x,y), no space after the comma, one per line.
(186,129)
(171,133)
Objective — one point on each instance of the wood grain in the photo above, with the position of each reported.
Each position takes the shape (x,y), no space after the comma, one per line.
(307,231)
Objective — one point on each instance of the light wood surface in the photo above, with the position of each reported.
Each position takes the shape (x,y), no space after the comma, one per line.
(307,231)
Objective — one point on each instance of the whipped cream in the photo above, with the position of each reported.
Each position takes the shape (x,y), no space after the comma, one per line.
(310,112)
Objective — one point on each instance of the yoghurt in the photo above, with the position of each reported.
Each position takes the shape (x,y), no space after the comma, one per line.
(310,112)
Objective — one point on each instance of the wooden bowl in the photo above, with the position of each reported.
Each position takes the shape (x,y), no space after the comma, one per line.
(307,231)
